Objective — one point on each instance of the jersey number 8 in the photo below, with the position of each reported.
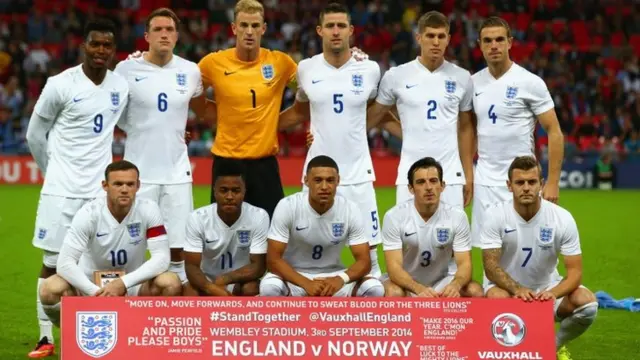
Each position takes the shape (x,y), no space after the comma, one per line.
(317,252)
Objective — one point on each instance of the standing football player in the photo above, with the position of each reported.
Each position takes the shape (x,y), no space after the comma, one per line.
(507,101)
(70,136)
(308,232)
(434,102)
(104,251)
(334,90)
(420,237)
(521,243)
(163,86)
(226,243)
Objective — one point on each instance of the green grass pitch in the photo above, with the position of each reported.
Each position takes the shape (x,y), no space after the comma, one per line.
(608,222)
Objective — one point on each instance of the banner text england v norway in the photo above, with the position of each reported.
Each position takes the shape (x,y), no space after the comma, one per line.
(306,328)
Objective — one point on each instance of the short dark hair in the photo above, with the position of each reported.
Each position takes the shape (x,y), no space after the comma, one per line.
(494,21)
(164,12)
(424,163)
(120,165)
(334,8)
(433,19)
(322,161)
(229,167)
(100,25)
(524,163)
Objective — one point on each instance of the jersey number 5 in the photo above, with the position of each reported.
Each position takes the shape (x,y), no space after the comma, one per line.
(338,105)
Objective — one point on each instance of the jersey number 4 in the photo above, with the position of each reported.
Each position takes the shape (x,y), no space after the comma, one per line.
(492,114)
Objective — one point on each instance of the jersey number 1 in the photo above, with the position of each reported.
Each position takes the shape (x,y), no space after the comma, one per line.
(253,98)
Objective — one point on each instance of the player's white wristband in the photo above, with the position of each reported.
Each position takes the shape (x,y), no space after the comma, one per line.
(345,277)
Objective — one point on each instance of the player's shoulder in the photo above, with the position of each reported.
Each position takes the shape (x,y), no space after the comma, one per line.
(400,211)
(269,54)
(92,209)
(309,63)
(561,214)
(254,213)
(204,211)
(480,75)
(65,78)
(292,201)
(146,206)
(218,57)
(117,80)
(525,77)
(453,212)
(457,71)
(186,64)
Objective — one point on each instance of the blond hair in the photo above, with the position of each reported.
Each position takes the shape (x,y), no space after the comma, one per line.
(249,7)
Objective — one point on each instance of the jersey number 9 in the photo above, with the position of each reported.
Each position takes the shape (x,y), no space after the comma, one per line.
(97,124)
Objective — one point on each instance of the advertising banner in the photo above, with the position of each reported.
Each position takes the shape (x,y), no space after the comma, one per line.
(306,328)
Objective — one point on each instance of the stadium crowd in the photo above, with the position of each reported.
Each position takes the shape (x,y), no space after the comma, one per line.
(587,52)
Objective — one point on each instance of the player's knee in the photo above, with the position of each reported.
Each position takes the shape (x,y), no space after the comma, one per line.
(53,289)
(581,297)
(370,287)
(251,288)
(473,289)
(497,293)
(167,284)
(586,314)
(272,286)
(393,290)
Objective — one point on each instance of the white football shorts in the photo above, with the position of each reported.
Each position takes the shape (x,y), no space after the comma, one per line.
(53,219)
(176,204)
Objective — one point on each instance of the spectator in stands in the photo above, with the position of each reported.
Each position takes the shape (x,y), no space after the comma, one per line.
(632,144)
(604,173)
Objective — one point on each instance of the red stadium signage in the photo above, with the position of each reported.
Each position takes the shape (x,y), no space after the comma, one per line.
(24,170)
(305,328)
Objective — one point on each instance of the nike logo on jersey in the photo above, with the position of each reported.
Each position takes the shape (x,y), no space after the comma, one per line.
(101,235)
(478,94)
(75,100)
(506,231)
(210,241)
(315,81)
(407,234)
(410,86)
(141,78)
(227,73)
(301,228)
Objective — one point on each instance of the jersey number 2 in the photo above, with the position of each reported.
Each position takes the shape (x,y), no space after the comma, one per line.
(433,105)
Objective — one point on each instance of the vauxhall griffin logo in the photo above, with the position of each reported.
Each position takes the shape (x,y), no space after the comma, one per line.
(508,329)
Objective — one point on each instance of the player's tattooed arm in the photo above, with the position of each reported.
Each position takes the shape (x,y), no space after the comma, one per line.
(250,272)
(495,273)
(197,279)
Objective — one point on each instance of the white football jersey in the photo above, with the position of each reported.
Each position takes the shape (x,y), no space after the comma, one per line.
(109,245)
(79,143)
(428,104)
(226,248)
(506,111)
(315,242)
(530,249)
(157,117)
(338,101)
(427,247)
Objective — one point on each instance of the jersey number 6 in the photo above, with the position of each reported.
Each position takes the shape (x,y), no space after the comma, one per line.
(162,102)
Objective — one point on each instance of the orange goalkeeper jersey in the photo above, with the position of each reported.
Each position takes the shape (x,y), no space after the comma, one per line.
(248,97)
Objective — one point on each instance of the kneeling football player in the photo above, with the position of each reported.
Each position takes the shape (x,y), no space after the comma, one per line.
(226,241)
(308,232)
(103,253)
(427,246)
